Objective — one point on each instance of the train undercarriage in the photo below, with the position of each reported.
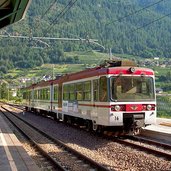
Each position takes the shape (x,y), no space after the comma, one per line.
(132,123)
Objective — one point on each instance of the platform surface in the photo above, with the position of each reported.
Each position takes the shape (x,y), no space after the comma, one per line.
(160,131)
(13,157)
(162,125)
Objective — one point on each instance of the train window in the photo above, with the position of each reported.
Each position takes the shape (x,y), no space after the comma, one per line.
(43,94)
(55,92)
(48,94)
(39,94)
(66,92)
(35,94)
(95,90)
(24,95)
(29,95)
(72,92)
(79,91)
(135,88)
(103,89)
(87,91)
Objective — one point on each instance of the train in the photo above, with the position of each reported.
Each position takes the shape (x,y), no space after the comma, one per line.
(115,96)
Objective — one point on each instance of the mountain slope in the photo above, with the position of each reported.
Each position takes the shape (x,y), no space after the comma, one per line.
(121,25)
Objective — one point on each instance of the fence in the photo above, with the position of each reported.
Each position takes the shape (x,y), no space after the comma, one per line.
(164,105)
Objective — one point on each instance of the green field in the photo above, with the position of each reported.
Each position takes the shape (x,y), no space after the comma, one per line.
(86,60)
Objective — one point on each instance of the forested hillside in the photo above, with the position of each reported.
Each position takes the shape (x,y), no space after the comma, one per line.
(134,27)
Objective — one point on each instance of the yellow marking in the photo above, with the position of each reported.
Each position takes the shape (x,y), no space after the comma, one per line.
(165,124)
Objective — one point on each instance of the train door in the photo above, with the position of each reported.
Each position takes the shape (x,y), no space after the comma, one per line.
(103,105)
(95,99)
(60,97)
(51,96)
(32,98)
(103,93)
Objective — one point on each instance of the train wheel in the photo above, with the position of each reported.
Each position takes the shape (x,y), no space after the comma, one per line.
(54,116)
(137,131)
(89,126)
(100,130)
(70,121)
(97,129)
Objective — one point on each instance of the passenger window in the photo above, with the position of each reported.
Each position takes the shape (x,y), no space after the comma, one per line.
(87,90)
(66,93)
(55,92)
(48,94)
(79,91)
(72,92)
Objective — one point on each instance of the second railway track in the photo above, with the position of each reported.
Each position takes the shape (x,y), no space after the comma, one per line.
(152,147)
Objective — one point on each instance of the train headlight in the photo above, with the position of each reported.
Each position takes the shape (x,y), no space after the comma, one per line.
(132,69)
(117,108)
(149,107)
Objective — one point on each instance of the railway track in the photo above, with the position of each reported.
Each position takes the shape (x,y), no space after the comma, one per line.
(150,146)
(62,156)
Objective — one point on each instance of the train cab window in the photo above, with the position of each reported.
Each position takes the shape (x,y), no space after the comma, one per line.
(55,92)
(87,91)
(103,89)
(95,90)
(126,88)
(79,91)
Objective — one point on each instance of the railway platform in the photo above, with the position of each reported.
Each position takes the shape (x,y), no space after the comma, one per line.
(162,125)
(161,130)
(13,157)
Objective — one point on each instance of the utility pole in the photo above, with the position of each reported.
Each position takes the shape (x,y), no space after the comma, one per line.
(52,71)
(110,53)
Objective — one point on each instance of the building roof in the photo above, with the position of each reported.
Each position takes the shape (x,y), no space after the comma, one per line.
(12,11)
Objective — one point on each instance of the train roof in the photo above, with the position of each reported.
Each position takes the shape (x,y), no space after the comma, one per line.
(115,68)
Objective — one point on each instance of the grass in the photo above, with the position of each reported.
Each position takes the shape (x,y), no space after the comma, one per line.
(161,71)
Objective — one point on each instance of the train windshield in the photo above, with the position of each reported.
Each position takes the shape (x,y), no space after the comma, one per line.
(132,88)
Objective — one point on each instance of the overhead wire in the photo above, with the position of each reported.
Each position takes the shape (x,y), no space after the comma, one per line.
(135,12)
(62,13)
(48,9)
(145,25)
(43,15)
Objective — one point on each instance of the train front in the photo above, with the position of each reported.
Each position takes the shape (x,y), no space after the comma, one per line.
(132,96)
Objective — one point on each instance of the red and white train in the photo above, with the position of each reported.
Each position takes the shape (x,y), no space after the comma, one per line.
(117,96)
